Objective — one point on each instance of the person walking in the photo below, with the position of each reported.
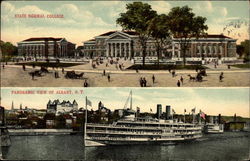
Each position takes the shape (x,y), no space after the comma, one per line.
(55,74)
(144,82)
(33,75)
(173,73)
(182,80)
(141,82)
(85,84)
(104,72)
(108,77)
(3,66)
(63,70)
(24,68)
(153,78)
(221,76)
(178,83)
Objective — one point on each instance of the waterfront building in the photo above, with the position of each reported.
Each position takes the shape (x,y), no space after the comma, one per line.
(61,107)
(126,44)
(46,47)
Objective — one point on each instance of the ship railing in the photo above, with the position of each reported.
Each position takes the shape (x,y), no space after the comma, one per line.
(117,138)
(144,127)
(124,132)
(144,133)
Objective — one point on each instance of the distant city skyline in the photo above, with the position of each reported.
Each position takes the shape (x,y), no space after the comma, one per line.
(212,101)
(84,19)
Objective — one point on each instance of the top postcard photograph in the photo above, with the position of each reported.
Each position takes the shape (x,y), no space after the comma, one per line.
(125,44)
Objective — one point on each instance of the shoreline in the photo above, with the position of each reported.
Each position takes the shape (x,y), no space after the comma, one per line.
(36,132)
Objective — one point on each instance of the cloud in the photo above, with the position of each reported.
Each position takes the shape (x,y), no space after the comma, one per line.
(204,7)
(224,11)
(160,6)
(7,7)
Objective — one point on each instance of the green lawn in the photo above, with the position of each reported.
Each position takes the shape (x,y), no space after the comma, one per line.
(166,67)
(242,65)
(50,64)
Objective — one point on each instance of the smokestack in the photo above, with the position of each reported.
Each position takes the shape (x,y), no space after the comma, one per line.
(211,119)
(159,111)
(219,119)
(235,117)
(168,108)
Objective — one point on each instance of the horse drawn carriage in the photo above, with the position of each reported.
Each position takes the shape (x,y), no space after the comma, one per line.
(73,75)
(39,73)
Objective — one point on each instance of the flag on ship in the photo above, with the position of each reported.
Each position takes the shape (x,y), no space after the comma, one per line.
(202,115)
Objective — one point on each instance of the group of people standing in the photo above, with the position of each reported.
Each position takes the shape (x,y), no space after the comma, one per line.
(143,82)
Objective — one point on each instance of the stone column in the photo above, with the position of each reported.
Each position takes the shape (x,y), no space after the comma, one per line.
(66,49)
(107,49)
(120,49)
(115,49)
(210,49)
(125,50)
(173,50)
(221,50)
(216,50)
(179,51)
(129,49)
(225,48)
(205,48)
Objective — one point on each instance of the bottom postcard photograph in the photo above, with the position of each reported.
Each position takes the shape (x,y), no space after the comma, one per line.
(124,124)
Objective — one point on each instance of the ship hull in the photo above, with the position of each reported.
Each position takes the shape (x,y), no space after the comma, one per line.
(143,142)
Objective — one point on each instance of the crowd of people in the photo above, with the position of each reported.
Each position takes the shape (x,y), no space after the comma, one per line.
(118,64)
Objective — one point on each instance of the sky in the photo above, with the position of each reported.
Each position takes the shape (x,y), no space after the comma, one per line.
(84,20)
(212,101)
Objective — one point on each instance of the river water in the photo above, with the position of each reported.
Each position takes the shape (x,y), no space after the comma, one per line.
(226,146)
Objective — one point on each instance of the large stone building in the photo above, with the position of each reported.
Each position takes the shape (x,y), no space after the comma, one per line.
(61,107)
(126,44)
(46,47)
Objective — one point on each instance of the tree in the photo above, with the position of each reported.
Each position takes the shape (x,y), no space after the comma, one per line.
(8,50)
(137,18)
(60,122)
(159,30)
(184,26)
(240,50)
(246,52)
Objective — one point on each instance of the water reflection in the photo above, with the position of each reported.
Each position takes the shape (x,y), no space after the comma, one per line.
(227,146)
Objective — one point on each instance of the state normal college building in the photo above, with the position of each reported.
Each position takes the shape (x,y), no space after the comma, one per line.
(126,44)
(46,47)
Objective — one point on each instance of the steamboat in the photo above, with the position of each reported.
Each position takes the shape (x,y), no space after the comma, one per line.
(135,130)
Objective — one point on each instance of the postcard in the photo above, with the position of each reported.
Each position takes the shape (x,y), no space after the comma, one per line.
(124,80)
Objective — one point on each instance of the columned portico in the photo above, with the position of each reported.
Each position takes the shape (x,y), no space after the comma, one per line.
(118,49)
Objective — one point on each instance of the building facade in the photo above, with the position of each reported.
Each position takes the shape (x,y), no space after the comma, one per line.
(126,44)
(46,47)
(61,107)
